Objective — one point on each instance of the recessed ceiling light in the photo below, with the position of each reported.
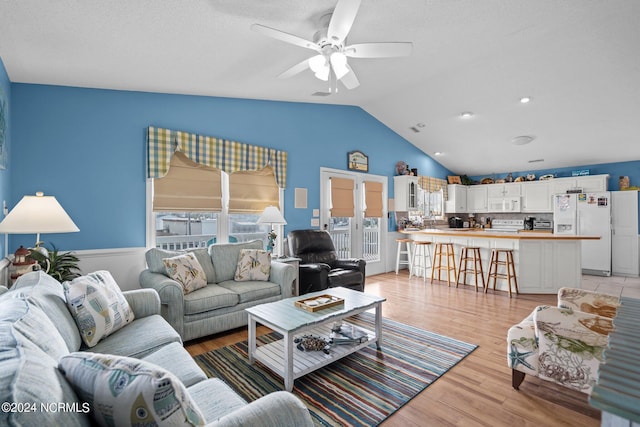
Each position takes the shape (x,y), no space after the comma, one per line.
(522,139)
(421,125)
(466,115)
(525,99)
(437,153)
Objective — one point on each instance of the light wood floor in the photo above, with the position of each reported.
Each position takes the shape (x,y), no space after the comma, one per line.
(476,392)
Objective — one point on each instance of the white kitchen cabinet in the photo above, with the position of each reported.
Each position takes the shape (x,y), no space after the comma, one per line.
(509,189)
(588,184)
(477,198)
(593,183)
(624,237)
(405,190)
(457,199)
(536,197)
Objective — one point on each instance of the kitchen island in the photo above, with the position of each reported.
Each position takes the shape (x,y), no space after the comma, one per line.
(544,262)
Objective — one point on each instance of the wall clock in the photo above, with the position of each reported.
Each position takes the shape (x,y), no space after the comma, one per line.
(357,161)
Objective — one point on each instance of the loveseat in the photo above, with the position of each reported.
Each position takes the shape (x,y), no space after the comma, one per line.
(563,344)
(220,305)
(40,341)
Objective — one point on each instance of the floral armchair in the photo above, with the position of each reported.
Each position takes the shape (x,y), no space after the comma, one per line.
(563,344)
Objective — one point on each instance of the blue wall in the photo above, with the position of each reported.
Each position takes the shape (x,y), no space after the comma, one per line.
(86,147)
(5,94)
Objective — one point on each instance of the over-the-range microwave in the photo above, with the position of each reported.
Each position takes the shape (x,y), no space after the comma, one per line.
(504,204)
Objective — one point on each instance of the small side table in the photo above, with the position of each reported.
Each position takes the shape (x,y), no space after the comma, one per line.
(296,264)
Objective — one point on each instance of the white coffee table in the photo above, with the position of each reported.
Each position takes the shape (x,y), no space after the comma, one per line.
(284,317)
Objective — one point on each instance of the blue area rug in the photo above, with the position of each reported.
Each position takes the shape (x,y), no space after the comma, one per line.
(361,389)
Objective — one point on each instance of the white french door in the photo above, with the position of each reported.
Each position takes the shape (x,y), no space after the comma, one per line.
(357,236)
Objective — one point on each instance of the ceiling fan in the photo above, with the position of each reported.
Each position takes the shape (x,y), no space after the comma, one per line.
(330,62)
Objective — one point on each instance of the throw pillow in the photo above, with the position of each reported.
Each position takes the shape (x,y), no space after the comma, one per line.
(124,391)
(154,257)
(253,264)
(97,305)
(186,270)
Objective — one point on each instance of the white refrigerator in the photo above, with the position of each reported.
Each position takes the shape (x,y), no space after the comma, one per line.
(587,214)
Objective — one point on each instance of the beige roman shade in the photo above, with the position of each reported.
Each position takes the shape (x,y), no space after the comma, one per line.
(342,197)
(252,192)
(188,186)
(373,199)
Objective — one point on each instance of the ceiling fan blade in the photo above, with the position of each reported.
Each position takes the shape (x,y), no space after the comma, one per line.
(285,37)
(298,68)
(342,19)
(379,50)
(349,80)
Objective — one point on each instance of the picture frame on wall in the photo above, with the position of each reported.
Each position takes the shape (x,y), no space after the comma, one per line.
(357,161)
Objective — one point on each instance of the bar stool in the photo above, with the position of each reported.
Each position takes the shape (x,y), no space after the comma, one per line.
(421,251)
(406,252)
(508,263)
(476,267)
(437,262)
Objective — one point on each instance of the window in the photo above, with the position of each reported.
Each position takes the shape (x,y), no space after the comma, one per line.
(205,189)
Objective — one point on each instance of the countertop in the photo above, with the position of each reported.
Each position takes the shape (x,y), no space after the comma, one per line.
(492,234)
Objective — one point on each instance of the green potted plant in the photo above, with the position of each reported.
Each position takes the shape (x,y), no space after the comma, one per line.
(62,266)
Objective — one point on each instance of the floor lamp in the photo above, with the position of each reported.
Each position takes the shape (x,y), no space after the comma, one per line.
(272,216)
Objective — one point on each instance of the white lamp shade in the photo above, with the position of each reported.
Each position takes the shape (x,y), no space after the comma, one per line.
(271,215)
(38,214)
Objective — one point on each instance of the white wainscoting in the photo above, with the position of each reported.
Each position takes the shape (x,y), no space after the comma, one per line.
(124,264)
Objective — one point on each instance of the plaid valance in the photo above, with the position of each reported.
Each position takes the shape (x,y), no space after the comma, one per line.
(431,184)
(229,156)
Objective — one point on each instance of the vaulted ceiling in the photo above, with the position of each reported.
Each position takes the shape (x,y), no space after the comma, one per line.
(578,61)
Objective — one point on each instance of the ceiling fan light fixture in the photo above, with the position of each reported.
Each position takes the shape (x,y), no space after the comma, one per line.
(339,64)
(317,63)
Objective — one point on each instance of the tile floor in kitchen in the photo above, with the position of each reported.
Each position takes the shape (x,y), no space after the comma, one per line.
(616,285)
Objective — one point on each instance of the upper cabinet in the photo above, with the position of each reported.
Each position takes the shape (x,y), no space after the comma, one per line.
(405,190)
(529,196)
(536,197)
(499,191)
(477,198)
(588,184)
(457,202)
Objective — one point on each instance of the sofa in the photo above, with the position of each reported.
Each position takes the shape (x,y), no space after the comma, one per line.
(320,267)
(563,344)
(220,305)
(39,336)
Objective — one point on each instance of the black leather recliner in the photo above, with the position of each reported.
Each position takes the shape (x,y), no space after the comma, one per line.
(320,267)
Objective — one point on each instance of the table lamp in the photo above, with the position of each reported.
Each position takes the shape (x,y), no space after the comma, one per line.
(35,215)
(272,215)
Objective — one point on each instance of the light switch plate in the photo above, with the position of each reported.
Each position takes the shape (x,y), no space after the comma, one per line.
(315,222)
(316,212)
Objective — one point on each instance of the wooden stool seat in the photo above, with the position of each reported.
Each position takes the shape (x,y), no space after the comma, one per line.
(510,274)
(421,251)
(407,252)
(470,253)
(447,250)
